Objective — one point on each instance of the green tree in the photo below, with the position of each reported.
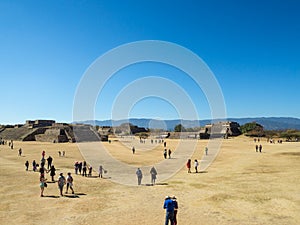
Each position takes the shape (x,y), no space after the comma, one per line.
(179,128)
(290,134)
(142,135)
(253,129)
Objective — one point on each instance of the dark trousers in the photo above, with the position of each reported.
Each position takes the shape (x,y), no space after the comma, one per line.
(175,217)
(169,217)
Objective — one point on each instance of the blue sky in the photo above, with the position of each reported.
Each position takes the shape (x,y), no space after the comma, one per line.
(252,47)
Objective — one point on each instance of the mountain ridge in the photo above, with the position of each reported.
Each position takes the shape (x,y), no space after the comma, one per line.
(269,123)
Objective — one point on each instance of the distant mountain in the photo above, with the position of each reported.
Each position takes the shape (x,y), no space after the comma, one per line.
(269,123)
(272,123)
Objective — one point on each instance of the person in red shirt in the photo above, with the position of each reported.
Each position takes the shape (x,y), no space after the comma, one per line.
(188,165)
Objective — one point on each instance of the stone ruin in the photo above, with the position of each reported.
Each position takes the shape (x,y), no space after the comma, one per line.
(50,131)
(220,129)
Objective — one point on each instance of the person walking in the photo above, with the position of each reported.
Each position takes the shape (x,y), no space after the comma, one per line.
(196,164)
(133,150)
(90,171)
(52,172)
(76,165)
(206,150)
(165,153)
(175,203)
(80,167)
(153,173)
(101,170)
(33,165)
(42,170)
(260,148)
(256,148)
(43,154)
(61,182)
(43,160)
(188,165)
(139,175)
(49,162)
(84,168)
(20,152)
(27,165)
(42,184)
(169,153)
(69,183)
(169,206)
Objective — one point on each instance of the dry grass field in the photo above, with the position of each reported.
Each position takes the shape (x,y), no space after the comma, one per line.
(240,187)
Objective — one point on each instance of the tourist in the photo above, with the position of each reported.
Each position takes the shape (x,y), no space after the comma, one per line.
(101,170)
(63,153)
(256,148)
(52,172)
(27,165)
(69,183)
(76,165)
(153,173)
(49,161)
(169,206)
(165,144)
(84,168)
(188,165)
(196,164)
(43,154)
(175,203)
(260,148)
(20,152)
(59,153)
(90,171)
(139,175)
(43,161)
(61,182)
(34,165)
(169,153)
(133,150)
(165,153)
(42,184)
(42,170)
(206,150)
(80,167)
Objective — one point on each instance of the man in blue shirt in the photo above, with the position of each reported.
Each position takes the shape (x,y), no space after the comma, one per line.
(169,206)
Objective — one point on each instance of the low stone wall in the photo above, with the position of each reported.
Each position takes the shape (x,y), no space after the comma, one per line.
(54,135)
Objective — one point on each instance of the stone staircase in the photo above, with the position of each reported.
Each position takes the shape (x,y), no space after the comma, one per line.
(85,133)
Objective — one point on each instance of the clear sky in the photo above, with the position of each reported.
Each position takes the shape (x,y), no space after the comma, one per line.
(252,47)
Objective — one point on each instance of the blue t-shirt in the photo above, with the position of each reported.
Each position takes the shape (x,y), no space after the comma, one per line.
(169,205)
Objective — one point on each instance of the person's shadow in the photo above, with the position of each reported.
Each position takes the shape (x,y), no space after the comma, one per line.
(50,196)
(76,195)
(156,184)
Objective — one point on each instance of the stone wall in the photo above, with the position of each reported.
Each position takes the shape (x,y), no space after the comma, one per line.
(54,135)
(49,131)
